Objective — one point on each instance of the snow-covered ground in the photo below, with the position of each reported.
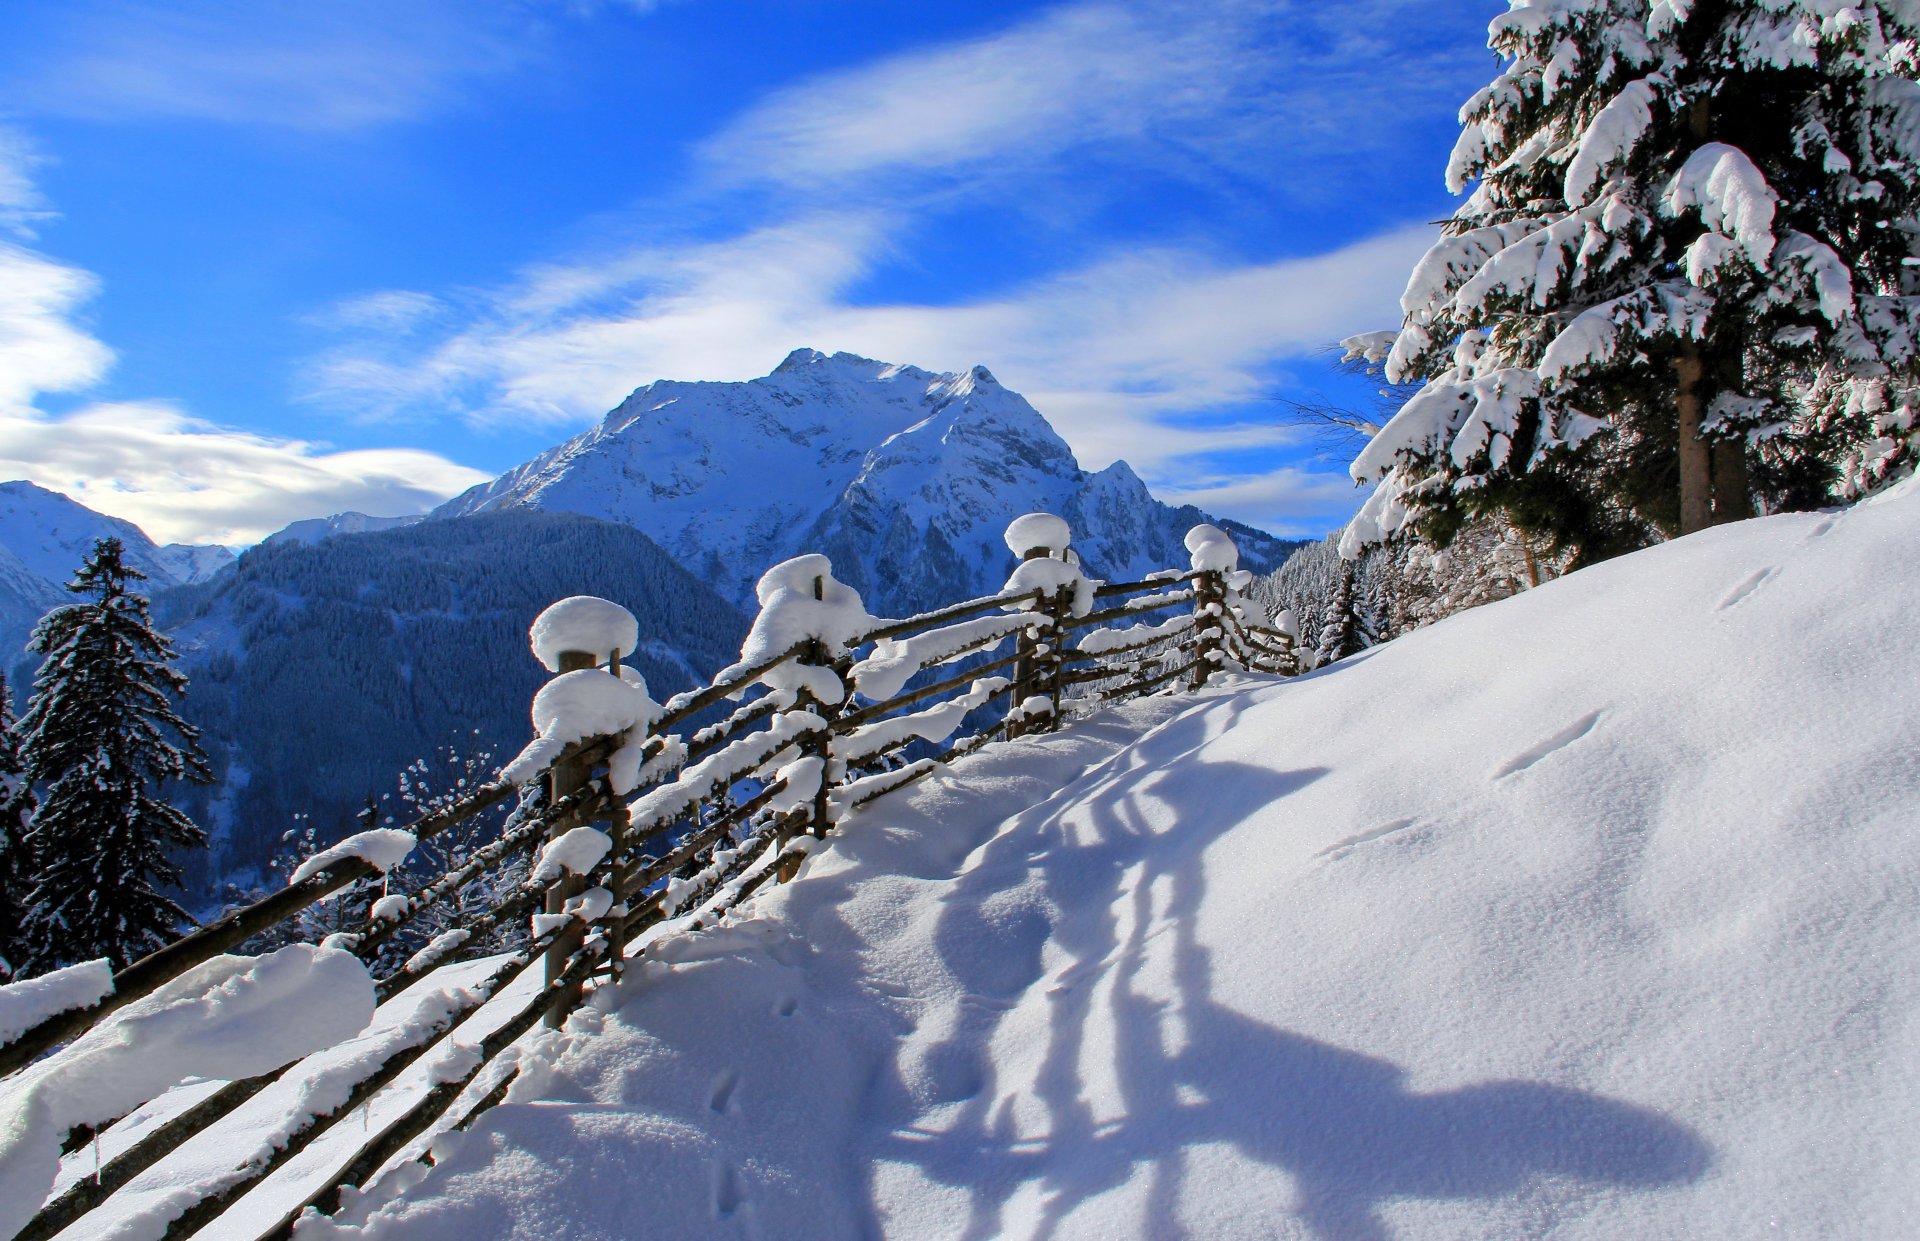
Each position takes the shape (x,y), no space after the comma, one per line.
(1588,914)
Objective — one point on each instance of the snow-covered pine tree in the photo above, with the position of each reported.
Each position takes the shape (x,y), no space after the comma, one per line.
(16,867)
(1684,280)
(98,736)
(1342,629)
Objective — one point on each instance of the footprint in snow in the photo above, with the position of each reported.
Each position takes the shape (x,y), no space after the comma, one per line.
(721,1100)
(1343,847)
(728,1194)
(1739,594)
(1559,741)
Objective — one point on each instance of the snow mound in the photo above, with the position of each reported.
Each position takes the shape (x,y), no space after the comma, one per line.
(382,848)
(583,623)
(1587,914)
(1038,532)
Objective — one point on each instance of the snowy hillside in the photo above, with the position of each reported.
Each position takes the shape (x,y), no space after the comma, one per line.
(1588,914)
(907,479)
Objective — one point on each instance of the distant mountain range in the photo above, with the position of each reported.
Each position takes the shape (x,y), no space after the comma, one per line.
(905,478)
(44,537)
(343,648)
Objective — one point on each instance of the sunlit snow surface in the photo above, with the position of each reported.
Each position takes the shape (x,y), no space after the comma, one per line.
(1588,914)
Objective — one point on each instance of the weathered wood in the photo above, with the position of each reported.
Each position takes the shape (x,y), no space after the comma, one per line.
(1112,589)
(866,715)
(1093,619)
(565,780)
(559,997)
(683,707)
(946,616)
(1151,683)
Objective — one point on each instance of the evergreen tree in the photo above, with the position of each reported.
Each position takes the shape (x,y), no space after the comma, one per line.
(1342,632)
(16,867)
(99,734)
(1682,284)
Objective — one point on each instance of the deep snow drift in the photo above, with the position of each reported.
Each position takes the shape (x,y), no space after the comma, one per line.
(1588,914)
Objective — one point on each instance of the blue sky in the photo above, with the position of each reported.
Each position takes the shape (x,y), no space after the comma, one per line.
(262,261)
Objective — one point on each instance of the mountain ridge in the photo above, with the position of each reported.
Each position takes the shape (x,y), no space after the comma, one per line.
(905,477)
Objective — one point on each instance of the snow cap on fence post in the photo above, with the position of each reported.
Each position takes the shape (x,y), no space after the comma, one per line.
(802,602)
(599,629)
(1038,534)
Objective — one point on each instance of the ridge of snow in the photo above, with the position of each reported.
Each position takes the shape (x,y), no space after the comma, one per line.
(1484,933)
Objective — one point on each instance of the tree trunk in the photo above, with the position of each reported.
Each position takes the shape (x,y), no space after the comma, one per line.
(1696,464)
(1732,487)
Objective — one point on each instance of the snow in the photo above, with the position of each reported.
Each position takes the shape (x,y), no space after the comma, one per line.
(576,852)
(599,627)
(228,1018)
(25,1004)
(1611,136)
(800,601)
(1731,195)
(1482,933)
(1042,532)
(1051,577)
(894,661)
(383,848)
(575,706)
(1212,550)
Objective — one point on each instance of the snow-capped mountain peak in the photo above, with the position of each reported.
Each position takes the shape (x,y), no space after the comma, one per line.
(52,534)
(907,478)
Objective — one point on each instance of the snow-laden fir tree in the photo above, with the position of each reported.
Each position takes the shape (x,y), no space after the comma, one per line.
(1683,283)
(99,736)
(16,867)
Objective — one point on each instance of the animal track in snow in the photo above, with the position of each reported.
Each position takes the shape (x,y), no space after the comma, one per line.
(723,1090)
(1559,741)
(728,1195)
(1375,833)
(787,1007)
(1739,593)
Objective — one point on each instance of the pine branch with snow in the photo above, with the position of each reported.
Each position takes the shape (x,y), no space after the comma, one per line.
(1682,285)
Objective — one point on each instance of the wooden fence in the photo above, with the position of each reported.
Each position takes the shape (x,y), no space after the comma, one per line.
(657,828)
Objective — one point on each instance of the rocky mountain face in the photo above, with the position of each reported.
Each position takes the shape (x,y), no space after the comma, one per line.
(906,478)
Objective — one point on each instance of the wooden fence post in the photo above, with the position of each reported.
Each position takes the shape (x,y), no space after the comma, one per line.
(1209,623)
(816,745)
(564,780)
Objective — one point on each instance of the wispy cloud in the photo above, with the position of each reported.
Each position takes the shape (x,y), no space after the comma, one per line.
(180,478)
(1132,350)
(21,204)
(1277,91)
(1117,354)
(341,64)
(185,480)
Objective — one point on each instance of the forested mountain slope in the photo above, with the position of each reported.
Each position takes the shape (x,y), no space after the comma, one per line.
(320,670)
(1590,913)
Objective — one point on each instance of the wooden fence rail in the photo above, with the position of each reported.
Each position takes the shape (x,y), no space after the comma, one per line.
(640,831)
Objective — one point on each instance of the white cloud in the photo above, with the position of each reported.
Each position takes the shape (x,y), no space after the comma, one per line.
(41,350)
(21,205)
(184,480)
(179,478)
(1279,91)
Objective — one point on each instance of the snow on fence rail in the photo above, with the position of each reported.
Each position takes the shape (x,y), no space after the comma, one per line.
(634,831)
